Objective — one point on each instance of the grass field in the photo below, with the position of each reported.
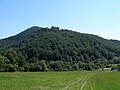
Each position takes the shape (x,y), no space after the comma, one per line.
(114,64)
(80,80)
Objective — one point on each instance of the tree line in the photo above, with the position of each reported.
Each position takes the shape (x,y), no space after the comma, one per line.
(14,61)
(54,49)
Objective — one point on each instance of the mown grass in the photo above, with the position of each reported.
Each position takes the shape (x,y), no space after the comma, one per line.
(108,80)
(114,65)
(80,80)
(37,80)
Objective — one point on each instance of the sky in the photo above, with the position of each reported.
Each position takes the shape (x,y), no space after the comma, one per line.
(99,17)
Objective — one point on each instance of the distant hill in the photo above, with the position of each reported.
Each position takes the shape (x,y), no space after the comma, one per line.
(54,44)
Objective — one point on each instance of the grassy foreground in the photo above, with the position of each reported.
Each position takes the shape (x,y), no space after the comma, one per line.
(80,80)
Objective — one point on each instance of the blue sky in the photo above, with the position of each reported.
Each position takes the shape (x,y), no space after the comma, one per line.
(100,17)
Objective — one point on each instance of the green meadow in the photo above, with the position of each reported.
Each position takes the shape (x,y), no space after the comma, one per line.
(79,80)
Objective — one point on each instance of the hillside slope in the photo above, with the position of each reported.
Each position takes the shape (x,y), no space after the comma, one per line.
(61,44)
(54,44)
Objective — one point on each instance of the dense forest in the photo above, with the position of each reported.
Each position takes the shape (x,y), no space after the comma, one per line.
(54,49)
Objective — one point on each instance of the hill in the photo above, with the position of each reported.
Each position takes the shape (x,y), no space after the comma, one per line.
(52,48)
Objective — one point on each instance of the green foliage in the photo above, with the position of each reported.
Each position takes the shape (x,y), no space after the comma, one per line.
(4,62)
(113,68)
(42,49)
(118,67)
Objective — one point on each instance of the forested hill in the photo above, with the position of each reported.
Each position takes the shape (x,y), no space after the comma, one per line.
(54,44)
